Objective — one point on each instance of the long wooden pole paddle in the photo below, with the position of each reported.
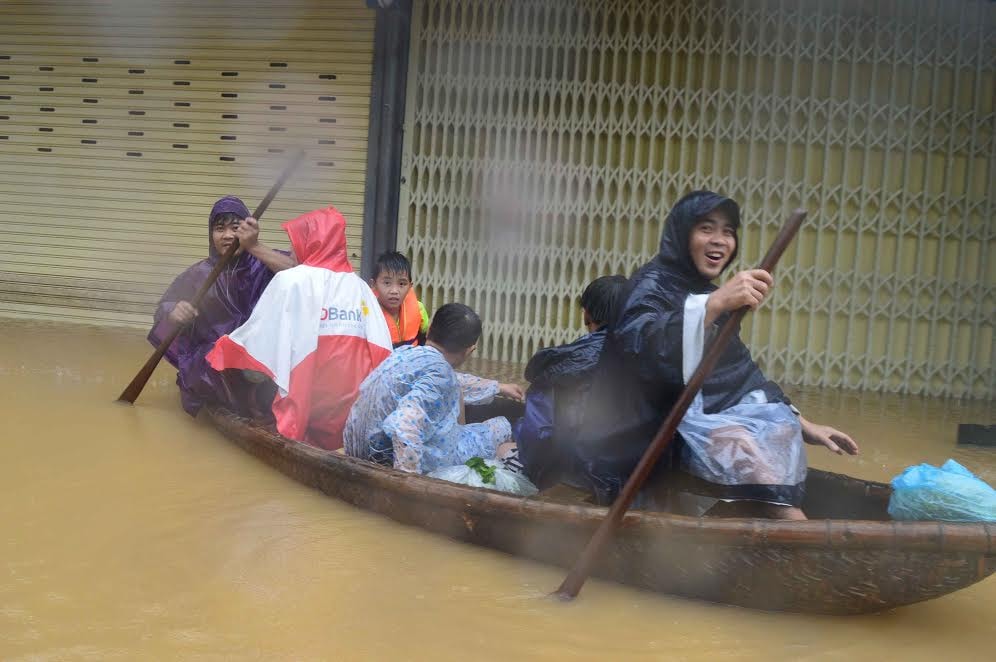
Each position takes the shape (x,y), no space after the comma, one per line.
(582,568)
(132,391)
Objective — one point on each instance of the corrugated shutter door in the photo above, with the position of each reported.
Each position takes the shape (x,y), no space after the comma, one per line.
(122,122)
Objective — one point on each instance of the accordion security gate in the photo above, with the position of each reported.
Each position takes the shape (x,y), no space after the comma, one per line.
(546,140)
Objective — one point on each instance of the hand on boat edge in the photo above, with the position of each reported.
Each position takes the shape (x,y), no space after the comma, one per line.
(833,439)
(512,391)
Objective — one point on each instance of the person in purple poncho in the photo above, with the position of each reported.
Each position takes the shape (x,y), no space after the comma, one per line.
(225,307)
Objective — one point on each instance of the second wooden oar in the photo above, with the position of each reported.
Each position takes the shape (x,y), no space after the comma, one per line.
(582,568)
(132,391)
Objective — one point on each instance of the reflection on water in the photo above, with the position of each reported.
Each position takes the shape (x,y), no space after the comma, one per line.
(138,533)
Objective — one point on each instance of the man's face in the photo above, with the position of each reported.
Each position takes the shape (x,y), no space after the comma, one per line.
(223,235)
(391,288)
(712,243)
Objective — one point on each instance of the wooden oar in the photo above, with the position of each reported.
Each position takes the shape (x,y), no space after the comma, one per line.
(582,568)
(132,391)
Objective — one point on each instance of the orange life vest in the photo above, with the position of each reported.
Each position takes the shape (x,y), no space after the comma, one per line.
(405,330)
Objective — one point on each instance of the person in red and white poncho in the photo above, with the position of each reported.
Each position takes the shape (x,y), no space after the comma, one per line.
(317,332)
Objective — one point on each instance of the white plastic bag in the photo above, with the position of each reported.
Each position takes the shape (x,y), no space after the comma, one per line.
(503,479)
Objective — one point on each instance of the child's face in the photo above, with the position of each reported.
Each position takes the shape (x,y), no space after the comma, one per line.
(589,322)
(223,235)
(391,288)
(712,243)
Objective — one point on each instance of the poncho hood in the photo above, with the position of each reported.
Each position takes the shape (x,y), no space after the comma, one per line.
(674,255)
(227,205)
(319,239)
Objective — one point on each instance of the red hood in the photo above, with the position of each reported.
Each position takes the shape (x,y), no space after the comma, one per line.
(319,239)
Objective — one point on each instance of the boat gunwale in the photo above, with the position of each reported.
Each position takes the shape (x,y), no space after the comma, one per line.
(824,534)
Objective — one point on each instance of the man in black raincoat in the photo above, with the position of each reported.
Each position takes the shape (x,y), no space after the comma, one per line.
(640,371)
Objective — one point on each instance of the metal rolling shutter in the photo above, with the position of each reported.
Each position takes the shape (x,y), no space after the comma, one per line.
(122,122)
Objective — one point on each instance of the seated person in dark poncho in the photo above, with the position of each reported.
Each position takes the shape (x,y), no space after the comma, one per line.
(560,379)
(741,438)
(225,307)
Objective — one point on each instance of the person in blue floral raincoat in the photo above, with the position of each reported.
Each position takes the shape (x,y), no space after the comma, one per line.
(409,411)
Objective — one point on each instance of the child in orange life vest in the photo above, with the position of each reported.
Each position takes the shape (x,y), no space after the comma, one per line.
(392,283)
(408,322)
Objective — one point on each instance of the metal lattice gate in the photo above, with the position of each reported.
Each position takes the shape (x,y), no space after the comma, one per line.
(547,139)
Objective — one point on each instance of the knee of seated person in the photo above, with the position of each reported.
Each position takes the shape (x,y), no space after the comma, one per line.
(732,434)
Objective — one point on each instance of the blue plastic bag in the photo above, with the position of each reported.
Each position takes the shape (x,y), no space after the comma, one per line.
(950,493)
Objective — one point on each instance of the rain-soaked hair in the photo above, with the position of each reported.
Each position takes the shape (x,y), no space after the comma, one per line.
(392,262)
(455,327)
(602,298)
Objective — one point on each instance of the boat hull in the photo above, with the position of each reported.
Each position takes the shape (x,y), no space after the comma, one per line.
(819,566)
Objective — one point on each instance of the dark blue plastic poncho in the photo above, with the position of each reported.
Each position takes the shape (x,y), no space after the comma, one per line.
(640,372)
(560,381)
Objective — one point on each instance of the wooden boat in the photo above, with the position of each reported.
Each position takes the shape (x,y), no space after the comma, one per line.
(849,559)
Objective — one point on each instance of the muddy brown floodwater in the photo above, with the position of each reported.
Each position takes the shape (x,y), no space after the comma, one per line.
(138,533)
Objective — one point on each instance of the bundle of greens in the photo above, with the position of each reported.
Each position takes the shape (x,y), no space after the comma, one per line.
(478,472)
(486,472)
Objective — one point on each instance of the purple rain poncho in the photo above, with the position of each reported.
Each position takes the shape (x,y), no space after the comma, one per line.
(226,306)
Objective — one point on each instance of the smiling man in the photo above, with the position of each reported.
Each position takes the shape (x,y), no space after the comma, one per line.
(741,437)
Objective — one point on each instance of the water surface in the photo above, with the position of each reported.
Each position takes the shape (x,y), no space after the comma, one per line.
(139,533)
